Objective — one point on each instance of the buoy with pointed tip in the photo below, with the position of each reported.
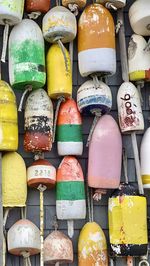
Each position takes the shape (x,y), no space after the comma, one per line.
(106,138)
(92,246)
(126,207)
(96,41)
(41,6)
(57,249)
(8,118)
(144,154)
(129,109)
(69,129)
(38,122)
(79,3)
(70,191)
(26,56)
(114,4)
(138,59)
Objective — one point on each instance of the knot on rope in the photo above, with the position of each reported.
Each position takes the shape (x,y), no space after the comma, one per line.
(26,257)
(28,89)
(55,223)
(5,40)
(74,8)
(39,155)
(118,25)
(98,194)
(34,15)
(60,100)
(42,188)
(110,6)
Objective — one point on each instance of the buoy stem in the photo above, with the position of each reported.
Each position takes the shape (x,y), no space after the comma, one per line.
(129,261)
(147,47)
(125,165)
(38,155)
(5,40)
(60,100)
(70,228)
(29,88)
(110,6)
(34,15)
(74,9)
(26,258)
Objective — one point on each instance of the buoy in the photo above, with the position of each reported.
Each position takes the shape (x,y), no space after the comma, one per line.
(70,192)
(69,129)
(11,13)
(14,183)
(96,41)
(26,56)
(145,167)
(24,239)
(41,6)
(114,4)
(127,222)
(138,59)
(129,109)
(78,3)
(102,173)
(139,17)
(57,249)
(38,122)
(92,246)
(8,118)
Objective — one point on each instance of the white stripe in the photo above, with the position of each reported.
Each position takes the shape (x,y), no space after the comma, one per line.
(69,209)
(69,148)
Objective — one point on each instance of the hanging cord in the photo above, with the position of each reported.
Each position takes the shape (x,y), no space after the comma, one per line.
(89,193)
(110,6)
(74,9)
(60,100)
(26,258)
(23,213)
(5,41)
(71,54)
(92,207)
(147,47)
(6,214)
(62,47)
(140,85)
(125,165)
(28,89)
(38,155)
(58,3)
(34,15)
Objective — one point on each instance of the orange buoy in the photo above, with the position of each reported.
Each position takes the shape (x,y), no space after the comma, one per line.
(37,6)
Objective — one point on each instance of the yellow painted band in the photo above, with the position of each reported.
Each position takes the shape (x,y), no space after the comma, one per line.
(146,179)
(137,75)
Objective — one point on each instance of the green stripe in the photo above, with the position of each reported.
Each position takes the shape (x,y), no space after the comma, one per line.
(68,133)
(70,190)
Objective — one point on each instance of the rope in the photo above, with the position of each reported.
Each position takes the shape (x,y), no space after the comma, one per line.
(88,201)
(28,89)
(125,165)
(62,47)
(110,6)
(23,213)
(38,155)
(5,40)
(26,258)
(147,47)
(58,3)
(55,223)
(71,54)
(92,207)
(98,194)
(60,100)
(140,85)
(70,228)
(73,8)
(34,15)
(96,118)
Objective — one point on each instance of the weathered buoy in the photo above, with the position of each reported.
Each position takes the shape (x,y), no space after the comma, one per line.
(69,129)
(70,191)
(57,249)
(38,122)
(91,97)
(92,246)
(102,173)
(145,152)
(41,6)
(129,108)
(139,17)
(127,222)
(96,41)
(14,181)
(8,118)
(114,4)
(138,58)
(78,3)
(56,67)
(26,56)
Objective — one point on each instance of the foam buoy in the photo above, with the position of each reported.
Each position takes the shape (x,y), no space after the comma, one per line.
(69,129)
(57,249)
(26,56)
(38,122)
(8,118)
(96,41)
(92,246)
(127,222)
(41,6)
(138,59)
(145,151)
(114,4)
(78,3)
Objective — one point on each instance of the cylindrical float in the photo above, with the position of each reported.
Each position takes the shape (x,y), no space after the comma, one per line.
(38,122)
(105,140)
(92,246)
(26,56)
(139,17)
(127,222)
(96,41)
(69,129)
(14,181)
(41,6)
(56,67)
(79,3)
(11,11)
(138,58)
(145,155)
(115,3)
(57,248)
(91,97)
(8,118)
(129,108)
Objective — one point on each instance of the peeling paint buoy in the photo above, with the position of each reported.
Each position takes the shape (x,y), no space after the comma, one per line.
(41,6)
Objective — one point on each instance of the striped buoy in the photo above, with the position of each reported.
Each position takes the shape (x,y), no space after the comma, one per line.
(38,122)
(69,129)
(8,118)
(41,6)
(92,246)
(144,155)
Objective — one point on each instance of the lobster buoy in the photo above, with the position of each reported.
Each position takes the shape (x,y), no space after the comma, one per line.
(23,238)
(14,182)
(56,67)
(129,108)
(78,3)
(59,24)
(102,173)
(138,58)
(26,56)
(57,249)
(91,97)
(8,118)
(41,172)
(139,17)
(38,122)
(96,41)
(127,222)
(92,246)
(145,151)
(69,129)
(41,6)
(114,4)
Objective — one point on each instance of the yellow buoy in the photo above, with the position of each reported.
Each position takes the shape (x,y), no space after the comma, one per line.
(59,76)
(8,118)
(14,183)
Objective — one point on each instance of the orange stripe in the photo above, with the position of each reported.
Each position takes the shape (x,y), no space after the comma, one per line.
(69,114)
